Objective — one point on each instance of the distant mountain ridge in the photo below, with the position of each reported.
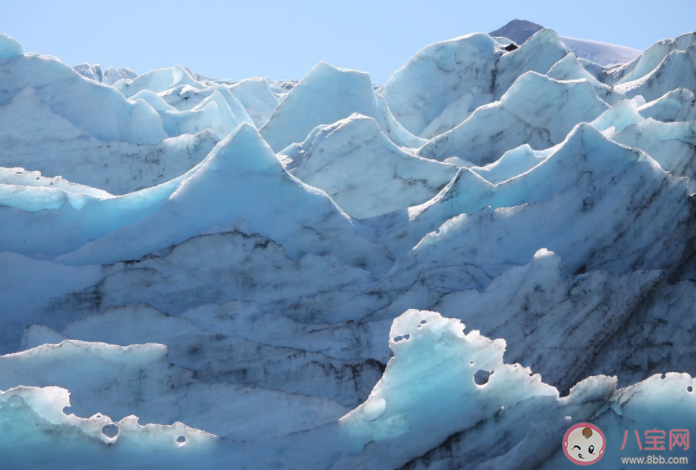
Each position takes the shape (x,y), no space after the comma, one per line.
(517,30)
(598,52)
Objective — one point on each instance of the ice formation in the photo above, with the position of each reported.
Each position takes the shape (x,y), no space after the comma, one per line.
(108,76)
(445,272)
(600,53)
(334,158)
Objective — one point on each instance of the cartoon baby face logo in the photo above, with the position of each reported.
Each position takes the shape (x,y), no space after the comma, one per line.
(584,444)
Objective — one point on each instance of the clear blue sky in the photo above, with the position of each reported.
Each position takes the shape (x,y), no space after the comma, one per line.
(284,39)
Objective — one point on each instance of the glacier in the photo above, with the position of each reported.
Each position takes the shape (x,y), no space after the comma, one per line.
(445,272)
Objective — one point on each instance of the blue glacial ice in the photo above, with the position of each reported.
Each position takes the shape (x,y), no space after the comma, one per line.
(448,271)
